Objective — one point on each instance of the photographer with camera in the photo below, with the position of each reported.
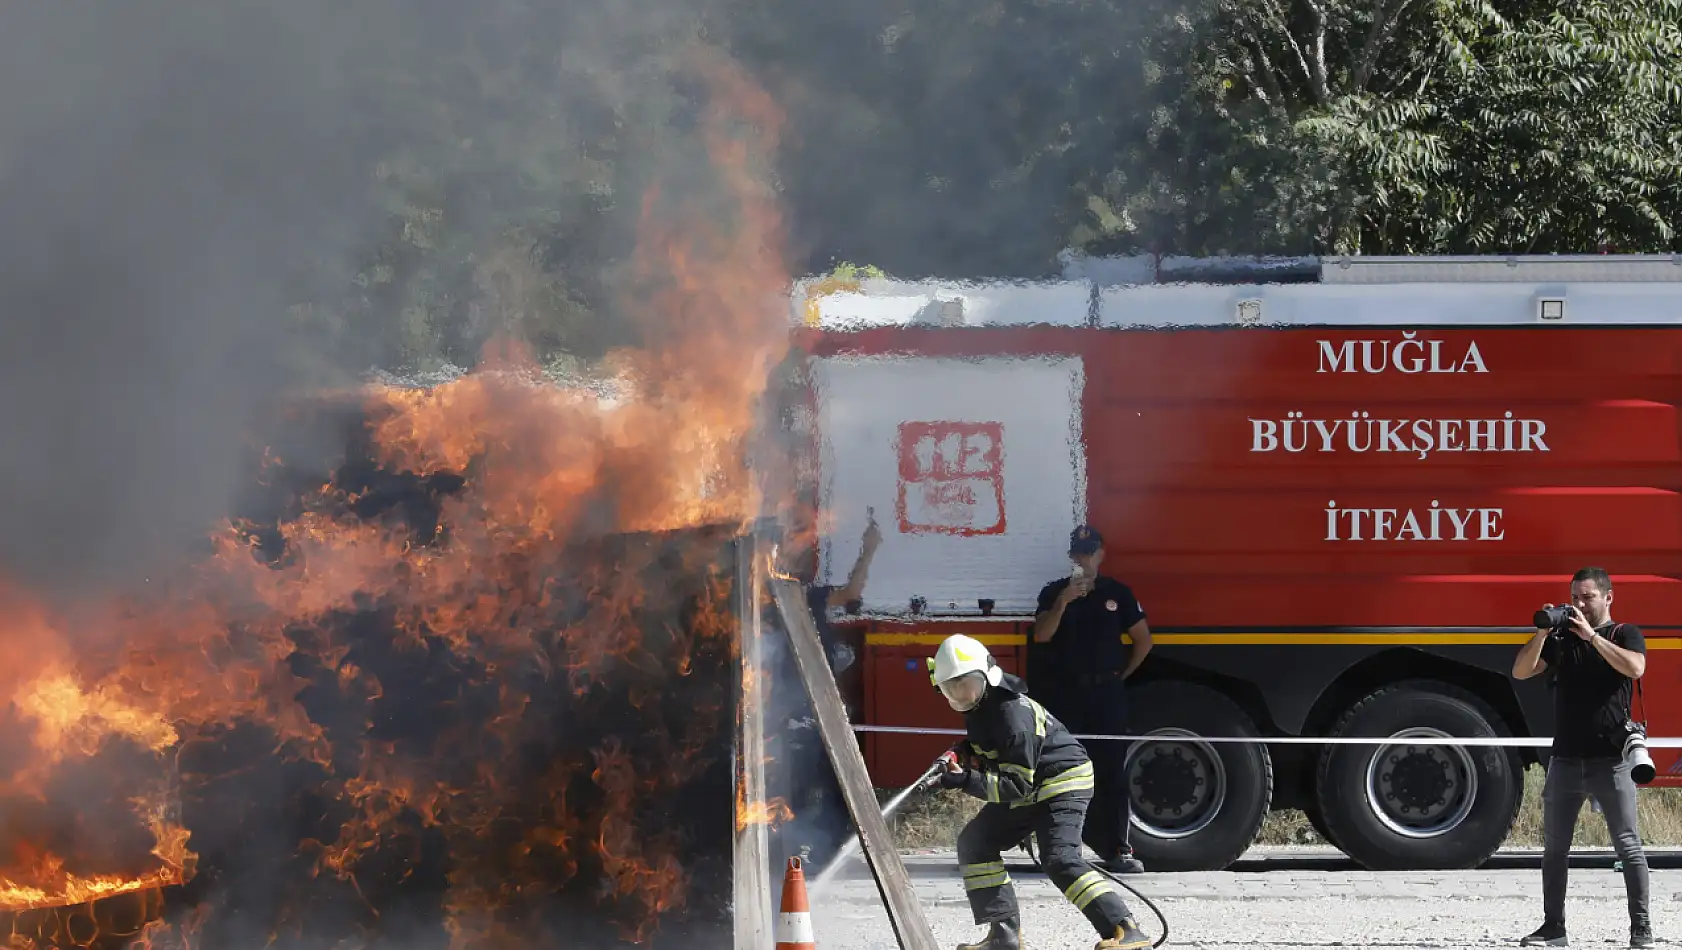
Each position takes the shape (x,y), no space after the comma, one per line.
(1597,749)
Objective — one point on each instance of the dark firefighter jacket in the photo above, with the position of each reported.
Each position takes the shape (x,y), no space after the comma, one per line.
(1026,755)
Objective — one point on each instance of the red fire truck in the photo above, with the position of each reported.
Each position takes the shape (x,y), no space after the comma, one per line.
(1340,488)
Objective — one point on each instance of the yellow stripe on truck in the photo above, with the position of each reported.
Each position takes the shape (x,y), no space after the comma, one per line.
(935,639)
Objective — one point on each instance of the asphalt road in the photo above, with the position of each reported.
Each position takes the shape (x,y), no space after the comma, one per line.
(1302,899)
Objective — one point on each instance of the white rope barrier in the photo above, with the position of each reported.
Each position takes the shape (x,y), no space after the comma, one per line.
(1503,742)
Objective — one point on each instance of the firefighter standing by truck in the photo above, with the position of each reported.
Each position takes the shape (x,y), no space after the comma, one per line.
(1034,777)
(1079,667)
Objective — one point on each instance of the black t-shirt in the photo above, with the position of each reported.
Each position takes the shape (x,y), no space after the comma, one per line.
(1088,639)
(1591,699)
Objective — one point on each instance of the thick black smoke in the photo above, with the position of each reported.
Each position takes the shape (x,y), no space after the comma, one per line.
(166,173)
(208,205)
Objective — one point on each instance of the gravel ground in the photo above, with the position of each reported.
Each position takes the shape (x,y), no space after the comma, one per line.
(1283,898)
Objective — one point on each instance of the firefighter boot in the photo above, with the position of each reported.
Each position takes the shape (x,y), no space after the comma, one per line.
(1127,936)
(1001,935)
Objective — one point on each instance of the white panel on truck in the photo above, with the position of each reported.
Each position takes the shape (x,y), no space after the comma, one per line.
(975,468)
(1063,303)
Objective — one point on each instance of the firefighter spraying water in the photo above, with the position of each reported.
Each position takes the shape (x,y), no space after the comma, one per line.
(932,778)
(850,850)
(1034,777)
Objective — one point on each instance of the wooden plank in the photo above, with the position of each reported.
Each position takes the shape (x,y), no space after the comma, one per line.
(752,864)
(911,928)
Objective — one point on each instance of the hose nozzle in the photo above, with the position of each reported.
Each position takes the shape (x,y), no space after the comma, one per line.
(947,759)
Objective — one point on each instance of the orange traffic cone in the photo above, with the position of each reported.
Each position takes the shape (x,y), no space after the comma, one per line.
(794,924)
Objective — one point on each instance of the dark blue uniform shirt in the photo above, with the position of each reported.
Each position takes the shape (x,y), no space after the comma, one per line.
(1088,641)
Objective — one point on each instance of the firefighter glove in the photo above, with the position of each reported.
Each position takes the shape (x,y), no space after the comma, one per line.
(966,754)
(950,780)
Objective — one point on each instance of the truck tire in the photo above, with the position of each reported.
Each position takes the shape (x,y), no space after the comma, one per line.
(1400,807)
(1197,806)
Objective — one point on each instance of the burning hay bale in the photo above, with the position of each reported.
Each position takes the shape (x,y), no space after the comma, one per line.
(544,749)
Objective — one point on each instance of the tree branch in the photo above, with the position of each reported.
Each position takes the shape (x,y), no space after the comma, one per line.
(1274,94)
(1248,69)
(1424,81)
(1383,24)
(1284,27)
(1369,49)
(1322,91)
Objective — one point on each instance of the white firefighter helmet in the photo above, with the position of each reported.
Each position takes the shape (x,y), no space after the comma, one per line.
(963,669)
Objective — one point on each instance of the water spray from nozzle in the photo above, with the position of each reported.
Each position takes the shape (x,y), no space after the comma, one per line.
(929,778)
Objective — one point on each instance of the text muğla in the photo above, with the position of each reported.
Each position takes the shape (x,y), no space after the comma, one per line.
(1408,355)
(1362,433)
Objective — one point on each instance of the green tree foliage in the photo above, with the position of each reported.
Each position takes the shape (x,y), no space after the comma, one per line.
(1543,130)
(1406,127)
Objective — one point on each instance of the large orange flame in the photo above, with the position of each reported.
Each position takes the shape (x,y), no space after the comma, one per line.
(127,687)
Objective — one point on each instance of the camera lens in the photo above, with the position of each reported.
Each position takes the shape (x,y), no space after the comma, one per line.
(1639,760)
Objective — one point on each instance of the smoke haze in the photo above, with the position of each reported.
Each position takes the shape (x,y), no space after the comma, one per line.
(164,171)
(177,178)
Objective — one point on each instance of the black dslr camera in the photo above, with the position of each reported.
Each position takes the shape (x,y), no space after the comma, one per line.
(1552,618)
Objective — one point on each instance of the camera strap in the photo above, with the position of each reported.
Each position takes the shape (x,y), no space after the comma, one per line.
(1639,697)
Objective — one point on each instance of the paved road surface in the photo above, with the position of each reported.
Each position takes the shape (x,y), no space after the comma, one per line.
(1281,899)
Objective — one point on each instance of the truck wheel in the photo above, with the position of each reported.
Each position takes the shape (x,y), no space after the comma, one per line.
(1197,806)
(1399,806)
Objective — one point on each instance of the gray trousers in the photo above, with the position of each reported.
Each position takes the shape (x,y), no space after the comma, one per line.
(1569,782)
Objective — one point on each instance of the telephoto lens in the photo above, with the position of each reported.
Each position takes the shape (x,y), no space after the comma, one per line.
(1636,757)
(1550,618)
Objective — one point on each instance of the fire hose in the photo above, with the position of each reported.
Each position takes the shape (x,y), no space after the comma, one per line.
(931,778)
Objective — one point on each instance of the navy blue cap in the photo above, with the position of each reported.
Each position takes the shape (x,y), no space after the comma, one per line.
(1085,540)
